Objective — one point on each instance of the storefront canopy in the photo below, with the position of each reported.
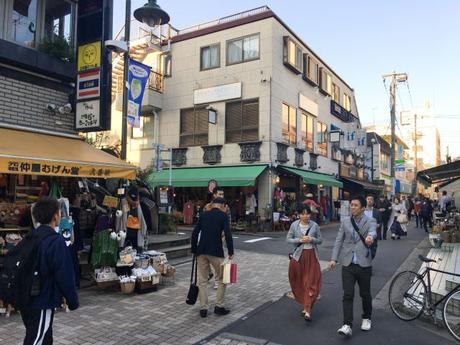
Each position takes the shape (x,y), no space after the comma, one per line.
(439,173)
(235,176)
(310,177)
(364,184)
(30,153)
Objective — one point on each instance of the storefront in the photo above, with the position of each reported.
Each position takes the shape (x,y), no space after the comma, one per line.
(354,183)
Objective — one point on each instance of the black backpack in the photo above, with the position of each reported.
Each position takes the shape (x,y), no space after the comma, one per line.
(19,279)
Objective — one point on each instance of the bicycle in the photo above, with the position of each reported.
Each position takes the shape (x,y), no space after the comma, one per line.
(410,295)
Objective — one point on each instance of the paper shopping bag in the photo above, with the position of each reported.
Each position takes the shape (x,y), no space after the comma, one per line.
(226,273)
(233,270)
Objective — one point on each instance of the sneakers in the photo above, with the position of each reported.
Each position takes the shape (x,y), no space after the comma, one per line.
(203,312)
(345,330)
(366,325)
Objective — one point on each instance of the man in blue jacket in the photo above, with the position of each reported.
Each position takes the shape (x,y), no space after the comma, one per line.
(207,246)
(56,274)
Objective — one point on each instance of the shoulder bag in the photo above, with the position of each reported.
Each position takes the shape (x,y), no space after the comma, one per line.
(290,254)
(372,249)
(193,289)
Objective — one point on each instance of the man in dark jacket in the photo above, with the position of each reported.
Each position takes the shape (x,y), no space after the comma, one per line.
(57,279)
(373,212)
(384,206)
(207,246)
(426,214)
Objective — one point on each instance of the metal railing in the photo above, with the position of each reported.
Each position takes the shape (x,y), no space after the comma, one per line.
(156,82)
(226,19)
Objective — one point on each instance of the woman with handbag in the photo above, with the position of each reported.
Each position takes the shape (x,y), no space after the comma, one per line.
(398,219)
(304,268)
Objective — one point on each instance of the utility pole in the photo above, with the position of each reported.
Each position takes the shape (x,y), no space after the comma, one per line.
(414,192)
(395,79)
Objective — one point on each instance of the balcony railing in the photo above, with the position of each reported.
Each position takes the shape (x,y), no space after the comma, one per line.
(226,19)
(156,82)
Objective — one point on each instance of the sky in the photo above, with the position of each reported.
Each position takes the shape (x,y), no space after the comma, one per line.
(362,40)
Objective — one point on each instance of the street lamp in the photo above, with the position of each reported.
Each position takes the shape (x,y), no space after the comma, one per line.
(150,14)
(372,159)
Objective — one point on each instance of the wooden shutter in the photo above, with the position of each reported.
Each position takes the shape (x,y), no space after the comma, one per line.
(250,120)
(233,118)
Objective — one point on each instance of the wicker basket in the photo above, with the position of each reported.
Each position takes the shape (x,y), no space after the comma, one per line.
(107,284)
(127,288)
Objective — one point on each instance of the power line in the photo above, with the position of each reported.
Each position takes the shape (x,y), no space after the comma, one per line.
(410,95)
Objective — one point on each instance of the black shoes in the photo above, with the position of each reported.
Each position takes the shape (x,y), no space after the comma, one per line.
(203,312)
(221,311)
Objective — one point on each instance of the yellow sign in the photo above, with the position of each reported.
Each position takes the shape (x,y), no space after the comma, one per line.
(48,168)
(89,56)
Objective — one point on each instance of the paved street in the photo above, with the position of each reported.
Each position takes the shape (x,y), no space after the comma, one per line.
(259,310)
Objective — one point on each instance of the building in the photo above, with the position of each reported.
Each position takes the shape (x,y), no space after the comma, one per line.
(37,92)
(246,102)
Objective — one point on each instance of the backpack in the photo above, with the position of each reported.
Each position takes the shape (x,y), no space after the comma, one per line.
(19,279)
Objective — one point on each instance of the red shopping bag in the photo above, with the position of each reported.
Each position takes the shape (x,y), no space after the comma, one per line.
(233,270)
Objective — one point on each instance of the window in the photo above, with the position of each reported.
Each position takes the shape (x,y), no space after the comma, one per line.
(193,127)
(145,130)
(23,22)
(242,121)
(384,161)
(292,54)
(335,93)
(326,82)
(307,131)
(210,57)
(289,124)
(321,137)
(243,49)
(346,102)
(311,69)
(58,20)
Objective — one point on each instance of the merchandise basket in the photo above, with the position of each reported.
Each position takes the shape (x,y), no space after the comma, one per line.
(127,288)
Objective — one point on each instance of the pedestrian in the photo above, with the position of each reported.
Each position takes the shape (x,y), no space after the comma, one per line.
(384,206)
(304,268)
(372,212)
(410,207)
(356,260)
(209,251)
(445,202)
(417,209)
(398,219)
(426,213)
(56,276)
(132,220)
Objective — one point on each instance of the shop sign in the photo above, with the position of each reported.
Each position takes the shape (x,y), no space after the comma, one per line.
(88,84)
(338,111)
(308,105)
(94,68)
(217,93)
(110,201)
(138,76)
(87,114)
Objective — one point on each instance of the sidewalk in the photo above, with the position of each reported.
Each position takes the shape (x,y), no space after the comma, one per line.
(162,317)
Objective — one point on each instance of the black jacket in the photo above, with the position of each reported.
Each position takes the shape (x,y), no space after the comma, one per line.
(209,228)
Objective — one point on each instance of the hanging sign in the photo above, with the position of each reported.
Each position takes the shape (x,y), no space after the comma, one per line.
(138,76)
(88,84)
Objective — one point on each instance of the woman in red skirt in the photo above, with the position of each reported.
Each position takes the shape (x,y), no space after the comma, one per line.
(304,268)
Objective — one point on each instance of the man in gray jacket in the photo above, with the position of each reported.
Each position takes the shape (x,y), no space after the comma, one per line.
(356,259)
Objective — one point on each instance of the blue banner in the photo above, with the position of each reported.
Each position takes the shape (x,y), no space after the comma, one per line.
(138,76)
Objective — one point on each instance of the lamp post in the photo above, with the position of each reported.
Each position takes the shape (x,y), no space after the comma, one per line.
(372,159)
(150,14)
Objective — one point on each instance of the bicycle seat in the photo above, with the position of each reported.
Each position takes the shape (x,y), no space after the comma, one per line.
(425,259)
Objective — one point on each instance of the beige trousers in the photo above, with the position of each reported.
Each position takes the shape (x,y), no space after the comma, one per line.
(204,262)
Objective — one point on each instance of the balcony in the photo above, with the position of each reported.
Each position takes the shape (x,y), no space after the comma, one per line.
(156,82)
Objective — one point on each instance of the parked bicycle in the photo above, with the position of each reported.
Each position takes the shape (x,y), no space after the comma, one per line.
(410,296)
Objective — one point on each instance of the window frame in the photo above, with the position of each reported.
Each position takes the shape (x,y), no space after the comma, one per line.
(309,60)
(194,134)
(135,131)
(297,65)
(319,150)
(243,60)
(242,128)
(287,136)
(335,93)
(218,56)
(307,116)
(346,100)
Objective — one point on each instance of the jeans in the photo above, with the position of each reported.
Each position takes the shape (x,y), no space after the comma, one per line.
(350,276)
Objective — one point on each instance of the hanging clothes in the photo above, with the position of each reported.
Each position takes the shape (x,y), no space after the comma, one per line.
(188,213)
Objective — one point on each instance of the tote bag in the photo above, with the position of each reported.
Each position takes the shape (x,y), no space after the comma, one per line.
(193,290)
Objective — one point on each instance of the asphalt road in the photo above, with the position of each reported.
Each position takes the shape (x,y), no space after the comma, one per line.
(280,322)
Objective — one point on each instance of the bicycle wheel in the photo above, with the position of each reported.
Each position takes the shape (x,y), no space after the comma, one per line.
(451,314)
(407,295)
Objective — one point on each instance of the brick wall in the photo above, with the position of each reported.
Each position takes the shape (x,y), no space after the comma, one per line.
(24,104)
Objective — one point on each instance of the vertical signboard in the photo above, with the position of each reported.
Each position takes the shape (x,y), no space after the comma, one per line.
(94,70)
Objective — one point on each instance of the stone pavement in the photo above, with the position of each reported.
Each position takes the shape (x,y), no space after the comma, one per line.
(162,317)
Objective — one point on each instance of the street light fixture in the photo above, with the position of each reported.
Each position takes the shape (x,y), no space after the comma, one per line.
(150,14)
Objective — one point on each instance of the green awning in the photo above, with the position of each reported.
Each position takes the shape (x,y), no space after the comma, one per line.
(234,176)
(310,177)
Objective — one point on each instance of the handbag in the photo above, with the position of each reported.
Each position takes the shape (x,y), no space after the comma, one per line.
(402,218)
(226,274)
(193,289)
(372,249)
(233,273)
